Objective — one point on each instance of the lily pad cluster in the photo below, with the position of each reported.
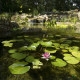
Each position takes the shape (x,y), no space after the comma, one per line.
(30,56)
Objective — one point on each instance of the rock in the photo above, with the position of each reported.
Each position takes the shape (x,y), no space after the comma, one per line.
(78,15)
(77,30)
(7,28)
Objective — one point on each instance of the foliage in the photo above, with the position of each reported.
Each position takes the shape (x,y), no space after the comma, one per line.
(18,56)
(62,22)
(19,68)
(40,5)
(7,43)
(56,52)
(70,59)
(59,62)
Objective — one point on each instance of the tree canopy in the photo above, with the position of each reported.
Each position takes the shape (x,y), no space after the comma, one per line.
(39,5)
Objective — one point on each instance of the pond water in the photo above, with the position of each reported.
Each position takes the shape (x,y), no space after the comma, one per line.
(65,42)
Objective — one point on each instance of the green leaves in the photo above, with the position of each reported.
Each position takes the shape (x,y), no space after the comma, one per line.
(18,56)
(19,68)
(29,59)
(64,46)
(52,57)
(37,64)
(57,45)
(76,54)
(50,50)
(70,59)
(29,52)
(12,51)
(73,48)
(46,44)
(59,62)
(23,48)
(7,43)
(33,46)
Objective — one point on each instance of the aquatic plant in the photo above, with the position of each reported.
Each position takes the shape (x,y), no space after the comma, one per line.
(34,54)
(59,62)
(19,68)
(46,56)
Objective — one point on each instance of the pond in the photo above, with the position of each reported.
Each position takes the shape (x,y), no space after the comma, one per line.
(41,55)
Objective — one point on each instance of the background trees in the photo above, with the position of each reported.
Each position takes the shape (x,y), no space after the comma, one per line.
(39,5)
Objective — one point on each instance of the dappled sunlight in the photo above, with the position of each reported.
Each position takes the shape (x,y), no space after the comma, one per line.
(40,40)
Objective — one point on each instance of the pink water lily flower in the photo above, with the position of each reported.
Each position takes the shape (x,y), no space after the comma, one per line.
(46,55)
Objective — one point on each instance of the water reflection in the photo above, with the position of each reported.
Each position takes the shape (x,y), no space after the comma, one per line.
(43,26)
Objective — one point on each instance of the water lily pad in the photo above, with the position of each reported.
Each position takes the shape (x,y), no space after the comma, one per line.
(56,45)
(76,54)
(59,63)
(64,50)
(73,48)
(71,60)
(77,41)
(76,48)
(7,43)
(50,50)
(23,63)
(46,44)
(40,41)
(30,59)
(19,68)
(68,41)
(37,38)
(18,56)
(64,46)
(53,40)
(62,39)
(70,49)
(67,55)
(36,67)
(37,62)
(52,57)
(33,46)
(12,51)
(13,40)
(26,36)
(23,48)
